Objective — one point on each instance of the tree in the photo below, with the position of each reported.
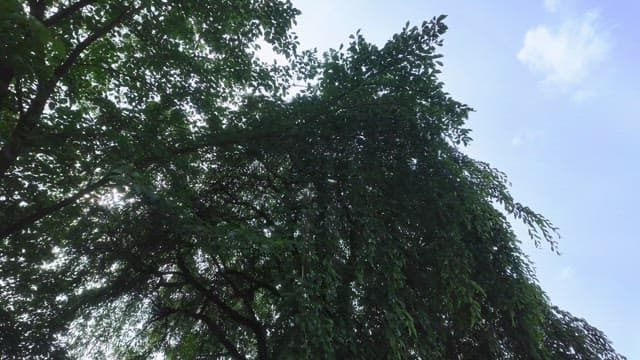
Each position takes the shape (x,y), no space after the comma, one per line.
(166,193)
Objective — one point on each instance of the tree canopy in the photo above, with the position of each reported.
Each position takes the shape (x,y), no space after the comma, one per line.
(163,192)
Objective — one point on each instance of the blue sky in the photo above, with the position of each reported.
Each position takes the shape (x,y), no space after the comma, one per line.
(555,85)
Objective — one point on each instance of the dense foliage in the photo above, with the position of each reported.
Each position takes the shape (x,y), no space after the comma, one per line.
(163,192)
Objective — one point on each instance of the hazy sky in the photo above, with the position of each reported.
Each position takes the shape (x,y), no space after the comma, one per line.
(556,88)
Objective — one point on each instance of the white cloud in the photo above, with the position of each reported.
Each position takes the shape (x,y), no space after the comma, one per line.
(567,54)
(551,5)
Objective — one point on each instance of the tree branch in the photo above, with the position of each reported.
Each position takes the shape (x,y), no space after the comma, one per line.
(19,96)
(252,324)
(253,280)
(208,294)
(54,19)
(15,146)
(64,68)
(6,74)
(145,162)
(36,9)
(29,220)
(217,331)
